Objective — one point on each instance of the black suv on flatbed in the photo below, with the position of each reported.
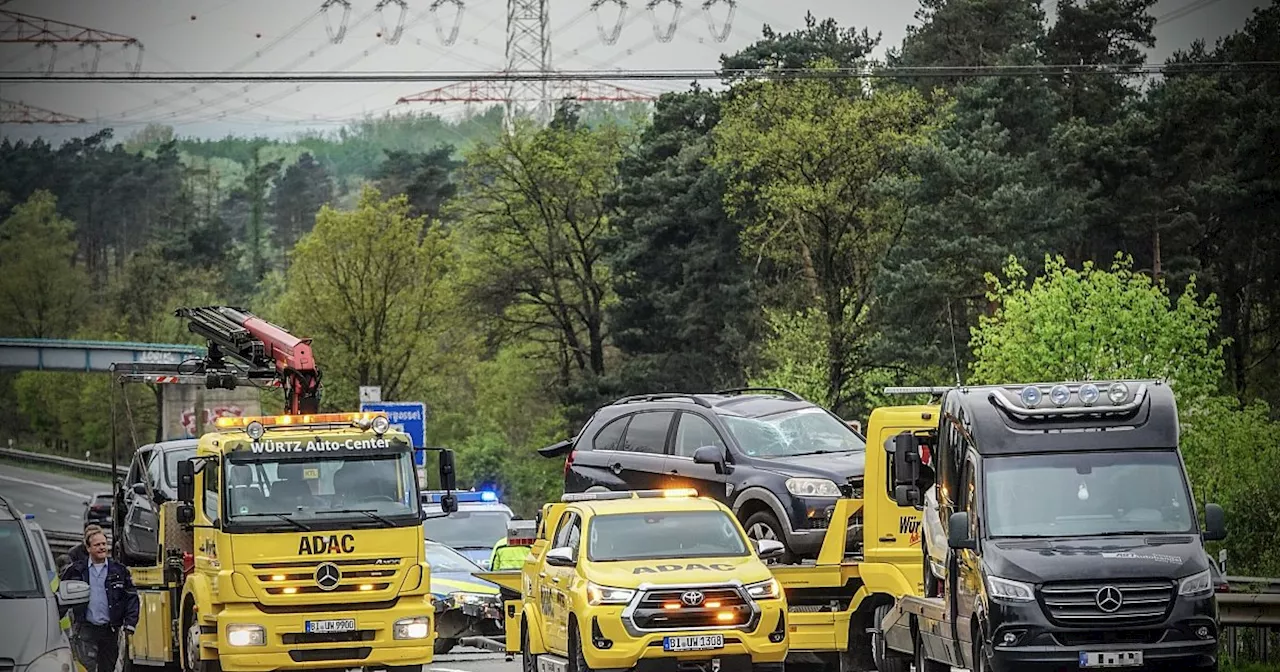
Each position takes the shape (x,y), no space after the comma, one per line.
(779,461)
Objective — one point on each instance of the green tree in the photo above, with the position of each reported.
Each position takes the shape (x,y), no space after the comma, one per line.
(370,287)
(43,293)
(1096,324)
(805,161)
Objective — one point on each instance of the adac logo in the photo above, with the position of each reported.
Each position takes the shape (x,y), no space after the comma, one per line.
(319,544)
(910,525)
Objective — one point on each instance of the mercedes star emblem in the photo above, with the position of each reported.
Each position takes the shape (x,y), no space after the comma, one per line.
(692,598)
(1109,599)
(328,575)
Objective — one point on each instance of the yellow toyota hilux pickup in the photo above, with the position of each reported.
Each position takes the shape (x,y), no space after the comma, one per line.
(645,580)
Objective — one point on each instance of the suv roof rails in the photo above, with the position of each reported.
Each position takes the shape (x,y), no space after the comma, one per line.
(638,398)
(783,391)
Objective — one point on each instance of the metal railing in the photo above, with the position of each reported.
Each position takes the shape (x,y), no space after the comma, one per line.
(68,463)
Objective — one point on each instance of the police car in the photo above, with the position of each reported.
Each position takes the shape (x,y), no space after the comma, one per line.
(474,529)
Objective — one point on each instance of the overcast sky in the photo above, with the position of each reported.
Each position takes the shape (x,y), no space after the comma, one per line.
(293,35)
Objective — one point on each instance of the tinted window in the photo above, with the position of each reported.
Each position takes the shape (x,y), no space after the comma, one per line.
(674,534)
(609,437)
(694,432)
(647,432)
(19,578)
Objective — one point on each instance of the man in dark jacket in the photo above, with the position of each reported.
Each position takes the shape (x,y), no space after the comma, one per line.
(113,603)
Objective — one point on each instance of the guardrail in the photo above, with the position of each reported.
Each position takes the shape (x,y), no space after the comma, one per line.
(69,463)
(61,542)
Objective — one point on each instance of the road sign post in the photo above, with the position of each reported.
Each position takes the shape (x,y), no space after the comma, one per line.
(409,417)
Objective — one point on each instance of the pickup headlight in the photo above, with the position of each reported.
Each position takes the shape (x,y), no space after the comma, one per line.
(1197,585)
(243,634)
(812,487)
(417,627)
(57,660)
(598,594)
(1010,591)
(768,589)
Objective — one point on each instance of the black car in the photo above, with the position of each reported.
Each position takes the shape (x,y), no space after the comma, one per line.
(779,461)
(98,510)
(152,480)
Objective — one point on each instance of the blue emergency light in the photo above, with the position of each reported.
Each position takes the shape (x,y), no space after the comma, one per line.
(482,496)
(30,516)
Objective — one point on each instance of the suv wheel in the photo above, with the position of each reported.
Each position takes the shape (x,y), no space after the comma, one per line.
(764,525)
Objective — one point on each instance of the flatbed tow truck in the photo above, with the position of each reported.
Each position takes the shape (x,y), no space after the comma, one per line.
(295,541)
(1073,538)
(832,603)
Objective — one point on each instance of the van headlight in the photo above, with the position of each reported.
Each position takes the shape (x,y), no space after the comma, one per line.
(417,627)
(768,589)
(243,634)
(598,594)
(1197,585)
(1010,591)
(57,660)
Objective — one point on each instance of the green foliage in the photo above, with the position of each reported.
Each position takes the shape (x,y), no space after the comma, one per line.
(1093,324)
(794,357)
(43,294)
(369,286)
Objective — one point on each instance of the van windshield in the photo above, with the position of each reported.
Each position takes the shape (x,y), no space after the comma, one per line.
(468,529)
(1086,494)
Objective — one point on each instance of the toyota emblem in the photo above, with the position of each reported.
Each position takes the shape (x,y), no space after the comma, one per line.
(692,598)
(1109,599)
(328,575)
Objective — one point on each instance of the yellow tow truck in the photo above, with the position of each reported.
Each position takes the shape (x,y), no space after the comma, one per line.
(295,542)
(834,604)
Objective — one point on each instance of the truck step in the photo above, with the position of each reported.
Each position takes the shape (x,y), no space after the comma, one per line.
(552,663)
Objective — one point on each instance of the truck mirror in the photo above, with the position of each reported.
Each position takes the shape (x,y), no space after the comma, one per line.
(906,495)
(768,548)
(449,502)
(186,481)
(448,475)
(186,514)
(560,557)
(906,459)
(958,531)
(1215,523)
(710,455)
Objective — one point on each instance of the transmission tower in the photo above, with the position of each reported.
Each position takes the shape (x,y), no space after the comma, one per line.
(18,28)
(498,92)
(12,112)
(528,50)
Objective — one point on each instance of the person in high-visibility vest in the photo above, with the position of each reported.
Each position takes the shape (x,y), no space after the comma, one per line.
(506,556)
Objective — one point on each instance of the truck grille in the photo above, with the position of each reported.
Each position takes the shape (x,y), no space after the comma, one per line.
(363,577)
(1107,604)
(679,609)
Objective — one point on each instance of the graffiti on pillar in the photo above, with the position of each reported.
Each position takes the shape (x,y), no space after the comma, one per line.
(211,413)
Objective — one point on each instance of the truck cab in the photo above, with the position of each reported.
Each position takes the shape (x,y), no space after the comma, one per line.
(291,542)
(1072,533)
(656,579)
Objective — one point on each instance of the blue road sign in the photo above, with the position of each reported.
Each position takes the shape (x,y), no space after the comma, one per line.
(409,417)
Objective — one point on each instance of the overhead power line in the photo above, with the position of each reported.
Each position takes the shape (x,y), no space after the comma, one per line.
(1239,67)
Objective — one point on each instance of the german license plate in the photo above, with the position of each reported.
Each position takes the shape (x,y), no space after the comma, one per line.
(693,643)
(1111,659)
(335,625)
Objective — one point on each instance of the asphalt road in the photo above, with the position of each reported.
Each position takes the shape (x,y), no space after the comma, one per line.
(57,500)
(466,659)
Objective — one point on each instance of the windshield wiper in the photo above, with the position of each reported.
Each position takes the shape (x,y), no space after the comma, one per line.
(368,512)
(281,516)
(818,452)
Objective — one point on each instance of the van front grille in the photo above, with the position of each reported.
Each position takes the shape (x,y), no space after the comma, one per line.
(1098,604)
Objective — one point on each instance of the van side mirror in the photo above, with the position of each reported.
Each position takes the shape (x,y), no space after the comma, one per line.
(958,532)
(72,593)
(186,481)
(1215,523)
(710,455)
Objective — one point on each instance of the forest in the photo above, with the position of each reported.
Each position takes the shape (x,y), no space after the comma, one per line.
(827,235)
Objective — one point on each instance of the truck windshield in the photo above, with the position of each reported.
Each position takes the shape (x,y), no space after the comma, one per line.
(670,534)
(806,431)
(19,578)
(1086,494)
(338,490)
(468,529)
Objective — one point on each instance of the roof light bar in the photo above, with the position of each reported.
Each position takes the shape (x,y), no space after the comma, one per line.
(916,390)
(376,420)
(628,494)
(1061,395)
